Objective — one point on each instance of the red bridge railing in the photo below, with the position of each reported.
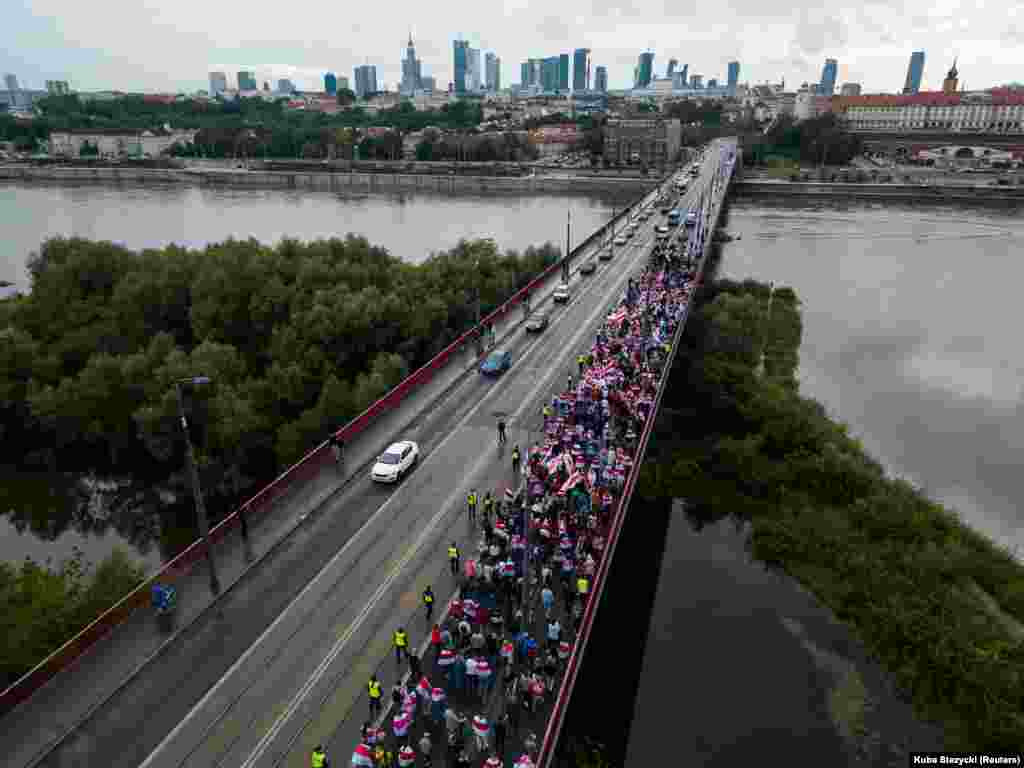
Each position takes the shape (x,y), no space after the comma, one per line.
(305,468)
(555,722)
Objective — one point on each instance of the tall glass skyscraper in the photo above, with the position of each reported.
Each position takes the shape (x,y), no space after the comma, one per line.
(524,74)
(914,72)
(734,75)
(601,80)
(366,80)
(460,49)
(645,70)
(330,84)
(581,69)
(827,86)
(563,72)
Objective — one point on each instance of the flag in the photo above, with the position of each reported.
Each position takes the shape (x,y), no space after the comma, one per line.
(437,695)
(400,723)
(406,757)
(362,757)
(447,657)
(481,727)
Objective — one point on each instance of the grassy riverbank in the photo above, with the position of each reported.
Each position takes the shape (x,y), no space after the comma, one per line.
(937,603)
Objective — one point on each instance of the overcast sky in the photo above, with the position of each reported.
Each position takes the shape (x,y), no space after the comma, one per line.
(148,45)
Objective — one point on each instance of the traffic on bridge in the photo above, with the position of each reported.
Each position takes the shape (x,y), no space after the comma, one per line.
(439,618)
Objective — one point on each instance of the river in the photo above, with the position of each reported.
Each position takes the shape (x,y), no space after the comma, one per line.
(909,337)
(411,225)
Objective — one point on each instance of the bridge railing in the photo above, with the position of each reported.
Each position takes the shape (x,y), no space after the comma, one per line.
(555,722)
(304,469)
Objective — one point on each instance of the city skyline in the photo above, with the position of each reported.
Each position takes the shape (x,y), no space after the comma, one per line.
(53,40)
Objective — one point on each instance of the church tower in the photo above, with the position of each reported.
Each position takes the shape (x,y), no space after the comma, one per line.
(949,84)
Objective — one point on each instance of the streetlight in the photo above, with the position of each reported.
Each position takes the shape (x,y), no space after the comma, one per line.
(204,526)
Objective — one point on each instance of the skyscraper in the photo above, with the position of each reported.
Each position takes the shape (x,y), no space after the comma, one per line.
(549,74)
(734,76)
(914,72)
(460,49)
(411,73)
(581,69)
(218,83)
(524,74)
(492,67)
(246,81)
(696,82)
(827,86)
(949,84)
(287,86)
(330,84)
(11,81)
(536,65)
(672,64)
(474,75)
(712,82)
(601,80)
(645,70)
(563,72)
(366,80)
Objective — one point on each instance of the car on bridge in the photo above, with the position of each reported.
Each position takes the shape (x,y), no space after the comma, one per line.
(661,229)
(537,322)
(691,218)
(606,254)
(589,266)
(496,363)
(620,240)
(395,462)
(561,294)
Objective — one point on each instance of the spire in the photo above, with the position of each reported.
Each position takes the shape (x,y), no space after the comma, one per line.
(953,73)
(410,38)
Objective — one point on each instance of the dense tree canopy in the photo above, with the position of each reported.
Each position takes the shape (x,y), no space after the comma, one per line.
(245,127)
(819,140)
(296,338)
(735,437)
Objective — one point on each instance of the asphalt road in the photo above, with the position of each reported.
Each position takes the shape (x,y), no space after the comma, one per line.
(362,565)
(282,663)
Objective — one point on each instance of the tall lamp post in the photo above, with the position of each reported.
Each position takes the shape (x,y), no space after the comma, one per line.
(197,492)
(568,236)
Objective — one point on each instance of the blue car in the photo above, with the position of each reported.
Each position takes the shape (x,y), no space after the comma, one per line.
(496,363)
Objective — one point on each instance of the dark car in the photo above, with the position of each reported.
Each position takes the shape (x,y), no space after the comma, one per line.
(496,363)
(588,267)
(537,322)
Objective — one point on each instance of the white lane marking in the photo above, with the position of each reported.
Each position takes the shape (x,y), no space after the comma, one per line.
(356,537)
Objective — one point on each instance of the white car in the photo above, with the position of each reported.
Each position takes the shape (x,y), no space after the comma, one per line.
(661,229)
(561,294)
(620,240)
(395,462)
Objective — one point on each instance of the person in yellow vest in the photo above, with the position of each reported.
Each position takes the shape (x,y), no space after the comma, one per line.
(582,588)
(373,688)
(547,415)
(581,361)
(428,602)
(383,757)
(453,558)
(471,505)
(401,640)
(319,758)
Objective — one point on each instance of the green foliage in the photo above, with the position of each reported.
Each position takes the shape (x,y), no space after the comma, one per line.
(892,564)
(41,608)
(296,338)
(821,140)
(237,128)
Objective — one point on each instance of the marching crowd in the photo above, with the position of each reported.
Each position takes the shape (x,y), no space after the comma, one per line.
(535,564)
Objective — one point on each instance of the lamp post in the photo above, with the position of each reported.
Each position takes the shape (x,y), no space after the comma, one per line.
(197,492)
(565,261)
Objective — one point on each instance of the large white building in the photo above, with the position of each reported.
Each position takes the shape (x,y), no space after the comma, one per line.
(1000,110)
(118,143)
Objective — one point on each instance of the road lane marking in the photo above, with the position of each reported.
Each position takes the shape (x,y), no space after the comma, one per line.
(291,609)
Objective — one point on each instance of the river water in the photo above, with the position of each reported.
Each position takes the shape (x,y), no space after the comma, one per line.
(411,225)
(910,313)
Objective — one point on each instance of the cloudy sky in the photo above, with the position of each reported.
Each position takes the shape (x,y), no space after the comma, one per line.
(148,45)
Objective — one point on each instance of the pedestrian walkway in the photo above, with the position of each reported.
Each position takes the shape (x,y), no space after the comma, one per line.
(34,727)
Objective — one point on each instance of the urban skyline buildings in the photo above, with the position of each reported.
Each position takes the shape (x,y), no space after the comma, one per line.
(366,80)
(331,84)
(412,71)
(459,51)
(601,80)
(246,80)
(218,83)
(914,72)
(827,86)
(581,69)
(563,72)
(493,72)
(645,70)
(733,79)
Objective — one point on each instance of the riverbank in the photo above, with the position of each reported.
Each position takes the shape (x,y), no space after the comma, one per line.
(930,193)
(313,180)
(935,602)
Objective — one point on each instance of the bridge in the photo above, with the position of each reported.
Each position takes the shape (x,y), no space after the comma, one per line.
(322,566)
